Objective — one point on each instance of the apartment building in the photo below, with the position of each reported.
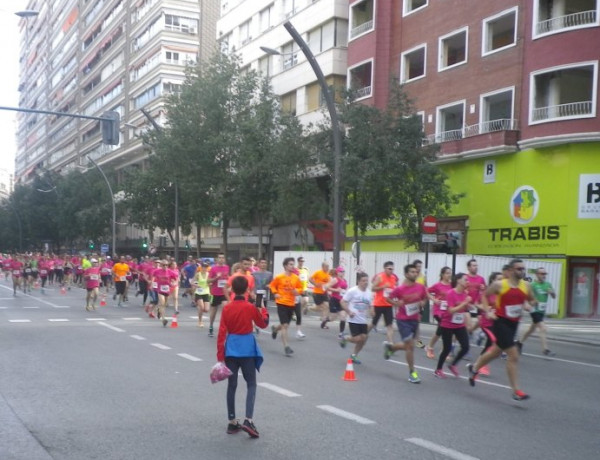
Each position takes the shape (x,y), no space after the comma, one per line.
(509,92)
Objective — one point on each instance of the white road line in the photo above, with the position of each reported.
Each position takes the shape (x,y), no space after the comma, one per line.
(137,337)
(446,451)
(132,319)
(3,308)
(113,328)
(95,319)
(160,346)
(281,391)
(58,320)
(548,358)
(61,306)
(19,321)
(30,308)
(190,357)
(347,415)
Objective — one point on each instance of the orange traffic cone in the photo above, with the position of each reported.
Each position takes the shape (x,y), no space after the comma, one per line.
(174,323)
(63,290)
(103,301)
(349,374)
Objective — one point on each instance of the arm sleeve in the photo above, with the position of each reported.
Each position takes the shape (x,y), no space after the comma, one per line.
(260,317)
(222,336)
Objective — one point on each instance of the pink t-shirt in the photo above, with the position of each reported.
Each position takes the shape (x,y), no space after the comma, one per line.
(163,279)
(16,268)
(454,320)
(43,268)
(216,287)
(105,269)
(340,284)
(484,321)
(92,277)
(411,297)
(475,288)
(440,291)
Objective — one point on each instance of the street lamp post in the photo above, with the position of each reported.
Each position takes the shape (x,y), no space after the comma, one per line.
(337,135)
(114,208)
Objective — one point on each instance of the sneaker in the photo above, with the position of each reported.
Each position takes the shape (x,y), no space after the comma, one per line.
(324,325)
(355,359)
(454,370)
(519,346)
(273,332)
(387,350)
(300,335)
(419,344)
(211,331)
(520,396)
(249,428)
(176,313)
(414,377)
(503,355)
(165,322)
(472,374)
(288,351)
(234,427)
(429,352)
(88,308)
(343,341)
(439,373)
(485,371)
(151,315)
(200,324)
(549,353)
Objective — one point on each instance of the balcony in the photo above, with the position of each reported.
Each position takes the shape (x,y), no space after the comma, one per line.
(361,29)
(569,21)
(571,110)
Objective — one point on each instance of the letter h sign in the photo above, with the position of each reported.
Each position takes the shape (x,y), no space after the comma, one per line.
(589,196)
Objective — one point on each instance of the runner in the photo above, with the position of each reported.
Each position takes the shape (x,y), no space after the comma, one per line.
(319,280)
(59,270)
(44,269)
(175,276)
(437,296)
(91,277)
(237,348)
(285,287)
(188,272)
(27,277)
(513,295)
(105,271)
(453,324)
(142,279)
(217,279)
(475,288)
(202,291)
(357,303)
(541,289)
(16,268)
(488,301)
(120,270)
(7,266)
(304,275)
(336,288)
(164,278)
(382,285)
(409,298)
(241,269)
(262,279)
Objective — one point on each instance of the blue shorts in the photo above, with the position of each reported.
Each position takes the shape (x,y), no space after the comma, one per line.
(407,328)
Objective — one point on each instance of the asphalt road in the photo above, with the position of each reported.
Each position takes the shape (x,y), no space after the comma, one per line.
(115,384)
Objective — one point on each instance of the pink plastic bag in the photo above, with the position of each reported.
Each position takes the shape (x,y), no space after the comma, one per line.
(219,372)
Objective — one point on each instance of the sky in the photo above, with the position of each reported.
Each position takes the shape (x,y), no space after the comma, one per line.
(9,79)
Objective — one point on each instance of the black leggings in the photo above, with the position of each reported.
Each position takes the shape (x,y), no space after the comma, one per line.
(143,289)
(298,311)
(248,367)
(463,338)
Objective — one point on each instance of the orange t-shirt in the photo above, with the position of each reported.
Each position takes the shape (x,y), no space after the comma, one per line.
(250,279)
(120,271)
(388,282)
(319,279)
(284,285)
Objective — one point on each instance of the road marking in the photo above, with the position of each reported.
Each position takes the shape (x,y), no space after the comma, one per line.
(61,306)
(19,321)
(190,357)
(3,308)
(95,319)
(281,391)
(132,319)
(58,320)
(549,358)
(160,346)
(30,307)
(446,451)
(347,415)
(137,337)
(113,328)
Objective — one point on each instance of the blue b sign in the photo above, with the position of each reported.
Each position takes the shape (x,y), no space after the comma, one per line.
(104,249)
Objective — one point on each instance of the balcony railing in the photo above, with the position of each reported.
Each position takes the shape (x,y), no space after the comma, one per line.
(573,109)
(364,27)
(504,124)
(363,92)
(564,22)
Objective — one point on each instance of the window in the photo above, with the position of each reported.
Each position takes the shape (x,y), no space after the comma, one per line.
(360,79)
(245,32)
(289,52)
(264,66)
(410,6)
(453,49)
(314,94)
(224,43)
(499,32)
(555,16)
(288,103)
(412,64)
(147,96)
(289,8)
(171,57)
(181,24)
(450,122)
(497,111)
(172,88)
(566,92)
(329,35)
(362,18)
(265,18)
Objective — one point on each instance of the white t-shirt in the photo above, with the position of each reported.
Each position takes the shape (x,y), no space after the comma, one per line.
(359,303)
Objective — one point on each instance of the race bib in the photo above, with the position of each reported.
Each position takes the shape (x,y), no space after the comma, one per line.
(458,318)
(541,306)
(28,270)
(261,291)
(200,291)
(443,305)
(411,308)
(122,278)
(165,288)
(386,292)
(221,283)
(472,309)
(43,272)
(514,311)
(94,277)
(16,272)
(154,285)
(303,276)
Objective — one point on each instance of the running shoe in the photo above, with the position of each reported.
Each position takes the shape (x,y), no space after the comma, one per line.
(151,315)
(300,335)
(210,331)
(430,353)
(234,427)
(176,313)
(343,341)
(519,346)
(419,344)
(249,428)
(414,377)
(439,373)
(200,324)
(485,371)
(165,322)
(387,350)
(549,353)
(472,374)
(288,351)
(503,355)
(454,370)
(520,396)
(355,359)
(273,332)
(324,325)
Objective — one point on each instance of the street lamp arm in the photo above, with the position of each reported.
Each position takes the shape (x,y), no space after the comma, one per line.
(114,209)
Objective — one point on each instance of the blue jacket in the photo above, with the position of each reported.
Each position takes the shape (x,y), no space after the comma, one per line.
(244,346)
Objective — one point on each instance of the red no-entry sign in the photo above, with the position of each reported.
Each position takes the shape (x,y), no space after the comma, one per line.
(429,225)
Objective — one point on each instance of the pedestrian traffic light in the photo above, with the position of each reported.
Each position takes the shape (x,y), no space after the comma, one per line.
(187,244)
(90,244)
(111,122)
(145,243)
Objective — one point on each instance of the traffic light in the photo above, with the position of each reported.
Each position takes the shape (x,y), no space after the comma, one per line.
(145,243)
(111,123)
(90,244)
(187,244)
(453,241)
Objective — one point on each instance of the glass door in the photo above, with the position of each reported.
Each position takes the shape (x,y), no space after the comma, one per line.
(583,293)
